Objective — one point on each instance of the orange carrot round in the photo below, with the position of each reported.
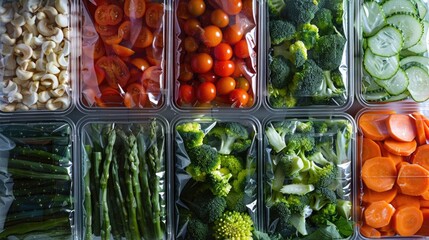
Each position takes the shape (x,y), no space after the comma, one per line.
(369,232)
(370,149)
(378,214)
(405,200)
(399,165)
(379,174)
(424,230)
(420,129)
(400,148)
(401,127)
(373,126)
(373,196)
(407,220)
(425,195)
(384,153)
(421,156)
(413,180)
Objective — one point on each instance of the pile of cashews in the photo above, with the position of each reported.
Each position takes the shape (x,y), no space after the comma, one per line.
(35,49)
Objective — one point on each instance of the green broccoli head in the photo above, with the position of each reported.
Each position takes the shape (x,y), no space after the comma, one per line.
(337,78)
(322,176)
(337,8)
(233,225)
(228,133)
(298,54)
(298,204)
(219,183)
(204,159)
(242,178)
(191,134)
(232,163)
(323,21)
(275,7)
(197,230)
(208,207)
(240,145)
(300,143)
(236,201)
(307,82)
(279,71)
(276,96)
(321,197)
(302,11)
(308,34)
(327,214)
(280,31)
(280,211)
(328,51)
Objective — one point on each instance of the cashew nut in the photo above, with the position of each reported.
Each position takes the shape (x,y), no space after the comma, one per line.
(40,65)
(64,101)
(6,39)
(38,76)
(18,20)
(58,36)
(13,31)
(23,74)
(48,46)
(14,97)
(7,16)
(33,86)
(22,107)
(10,62)
(24,51)
(49,80)
(59,92)
(62,20)
(66,33)
(9,86)
(62,6)
(63,61)
(30,25)
(51,68)
(7,50)
(38,40)
(50,12)
(44,96)
(46,29)
(66,48)
(30,99)
(27,37)
(11,107)
(64,77)
(31,5)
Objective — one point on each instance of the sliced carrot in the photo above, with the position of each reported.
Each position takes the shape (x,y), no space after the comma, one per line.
(425,195)
(369,232)
(421,156)
(413,180)
(424,203)
(399,165)
(373,196)
(426,126)
(370,149)
(401,127)
(424,230)
(384,153)
(378,214)
(122,51)
(373,126)
(379,174)
(389,233)
(386,228)
(405,200)
(400,148)
(407,220)
(420,129)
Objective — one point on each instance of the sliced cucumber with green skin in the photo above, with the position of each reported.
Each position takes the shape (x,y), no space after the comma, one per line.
(380,67)
(419,61)
(422,45)
(369,85)
(421,8)
(372,18)
(409,25)
(399,6)
(419,83)
(385,97)
(395,85)
(386,42)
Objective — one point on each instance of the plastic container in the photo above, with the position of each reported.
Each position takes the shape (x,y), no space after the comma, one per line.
(308,169)
(37,173)
(392,177)
(129,199)
(122,65)
(391,68)
(295,36)
(216,60)
(37,56)
(221,197)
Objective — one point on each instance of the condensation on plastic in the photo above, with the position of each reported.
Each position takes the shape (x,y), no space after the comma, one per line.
(183,181)
(346,68)
(346,166)
(36,203)
(93,133)
(368,93)
(386,111)
(36,71)
(247,20)
(144,87)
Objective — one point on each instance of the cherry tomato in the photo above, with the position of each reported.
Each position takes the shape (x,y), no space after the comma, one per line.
(124,30)
(233,34)
(190,44)
(154,55)
(238,97)
(108,14)
(219,18)
(106,30)
(192,27)
(144,39)
(186,94)
(205,18)
(242,83)
(135,75)
(158,39)
(225,85)
(232,7)
(122,51)
(95,51)
(140,63)
(196,7)
(239,66)
(109,97)
(206,92)
(241,49)
(154,15)
(153,89)
(186,73)
(135,8)
(138,94)
(153,74)
(224,68)
(223,51)
(182,10)
(117,73)
(207,77)
(100,74)
(201,63)
(115,39)
(211,36)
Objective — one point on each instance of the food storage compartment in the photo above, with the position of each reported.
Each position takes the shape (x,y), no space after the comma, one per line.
(393,54)
(123,178)
(216,54)
(308,167)
(216,178)
(36,175)
(36,56)
(309,61)
(393,173)
(123,46)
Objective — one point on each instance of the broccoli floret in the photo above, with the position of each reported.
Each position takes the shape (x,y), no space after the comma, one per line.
(191,134)
(280,31)
(344,208)
(322,176)
(300,143)
(276,137)
(304,127)
(337,78)
(197,230)
(308,34)
(317,157)
(242,178)
(337,8)
(300,11)
(320,127)
(275,7)
(287,165)
(236,201)
(232,163)
(228,133)
(298,54)
(281,213)
(321,197)
(219,183)
(328,51)
(327,214)
(297,188)
(233,225)
(208,207)
(240,146)
(279,71)
(307,82)
(276,96)
(323,21)
(204,159)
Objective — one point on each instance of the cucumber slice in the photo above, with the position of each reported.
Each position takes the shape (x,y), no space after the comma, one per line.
(422,45)
(373,18)
(419,61)
(421,8)
(410,26)
(386,42)
(369,85)
(395,85)
(385,97)
(399,6)
(380,67)
(419,83)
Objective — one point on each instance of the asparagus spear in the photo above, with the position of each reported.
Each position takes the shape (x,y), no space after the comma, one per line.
(88,206)
(33,175)
(95,186)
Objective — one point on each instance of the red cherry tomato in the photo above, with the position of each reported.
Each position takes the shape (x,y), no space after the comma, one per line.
(238,97)
(223,51)
(196,7)
(206,92)
(233,34)
(108,15)
(232,7)
(144,39)
(201,63)
(190,44)
(138,94)
(140,63)
(135,8)
(192,27)
(219,18)
(186,73)
(109,97)
(117,73)
(106,30)
(242,83)
(124,30)
(241,49)
(186,94)
(154,15)
(207,77)
(211,36)
(224,68)
(225,85)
